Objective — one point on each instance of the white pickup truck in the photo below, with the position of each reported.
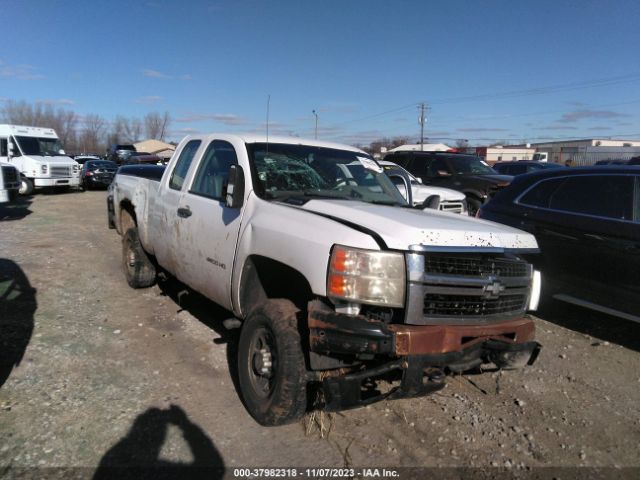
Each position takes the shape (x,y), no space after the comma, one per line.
(347,294)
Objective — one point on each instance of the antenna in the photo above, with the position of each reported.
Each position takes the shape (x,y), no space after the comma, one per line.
(268,103)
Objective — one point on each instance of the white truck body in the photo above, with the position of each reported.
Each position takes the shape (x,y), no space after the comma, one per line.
(268,234)
(36,152)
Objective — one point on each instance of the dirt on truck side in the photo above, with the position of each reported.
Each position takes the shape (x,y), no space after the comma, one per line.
(96,374)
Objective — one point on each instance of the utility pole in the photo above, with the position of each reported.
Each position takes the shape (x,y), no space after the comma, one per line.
(421,120)
(316,115)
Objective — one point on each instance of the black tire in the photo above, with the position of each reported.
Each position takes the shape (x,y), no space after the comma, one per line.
(271,365)
(138,268)
(473,205)
(26,186)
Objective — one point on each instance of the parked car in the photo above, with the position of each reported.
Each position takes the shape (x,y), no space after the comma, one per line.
(82,159)
(520,167)
(144,158)
(587,223)
(97,174)
(444,199)
(118,152)
(468,174)
(631,161)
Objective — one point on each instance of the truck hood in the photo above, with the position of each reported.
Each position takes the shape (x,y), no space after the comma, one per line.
(58,159)
(402,228)
(421,192)
(495,179)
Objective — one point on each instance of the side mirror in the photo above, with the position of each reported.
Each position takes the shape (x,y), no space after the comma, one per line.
(61,152)
(432,201)
(235,187)
(11,149)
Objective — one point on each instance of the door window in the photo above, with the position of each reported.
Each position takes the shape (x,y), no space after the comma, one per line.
(540,194)
(3,147)
(213,172)
(609,196)
(182,165)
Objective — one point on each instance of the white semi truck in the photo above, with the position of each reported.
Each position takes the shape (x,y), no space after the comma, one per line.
(38,155)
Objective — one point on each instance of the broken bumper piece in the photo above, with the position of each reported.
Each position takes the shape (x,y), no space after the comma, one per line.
(420,353)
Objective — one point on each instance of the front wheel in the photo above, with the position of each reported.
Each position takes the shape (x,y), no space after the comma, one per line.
(271,365)
(26,186)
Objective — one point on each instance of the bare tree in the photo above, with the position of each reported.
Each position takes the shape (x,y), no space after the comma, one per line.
(156,125)
(91,138)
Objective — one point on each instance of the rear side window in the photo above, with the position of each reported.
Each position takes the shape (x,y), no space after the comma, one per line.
(182,165)
(540,194)
(402,160)
(609,196)
(213,172)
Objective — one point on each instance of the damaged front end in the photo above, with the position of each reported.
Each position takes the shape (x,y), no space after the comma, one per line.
(419,356)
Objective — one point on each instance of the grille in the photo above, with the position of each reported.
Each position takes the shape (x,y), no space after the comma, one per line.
(456,305)
(476,266)
(60,171)
(9,174)
(454,207)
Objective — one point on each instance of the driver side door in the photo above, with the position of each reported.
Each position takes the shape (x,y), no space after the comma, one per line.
(210,229)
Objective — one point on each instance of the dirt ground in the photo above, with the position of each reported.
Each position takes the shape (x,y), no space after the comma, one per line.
(95,373)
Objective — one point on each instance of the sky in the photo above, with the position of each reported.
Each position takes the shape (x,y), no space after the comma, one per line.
(488,71)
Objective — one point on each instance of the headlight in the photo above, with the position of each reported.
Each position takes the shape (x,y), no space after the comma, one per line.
(366,276)
(43,169)
(76,168)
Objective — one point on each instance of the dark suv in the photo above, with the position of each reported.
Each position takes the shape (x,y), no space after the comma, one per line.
(468,174)
(118,153)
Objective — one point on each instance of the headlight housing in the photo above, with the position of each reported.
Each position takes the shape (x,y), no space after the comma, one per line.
(366,276)
(43,169)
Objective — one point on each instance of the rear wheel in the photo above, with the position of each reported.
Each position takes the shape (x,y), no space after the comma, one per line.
(138,268)
(271,365)
(26,186)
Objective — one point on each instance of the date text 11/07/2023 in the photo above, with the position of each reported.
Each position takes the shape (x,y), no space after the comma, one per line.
(313,473)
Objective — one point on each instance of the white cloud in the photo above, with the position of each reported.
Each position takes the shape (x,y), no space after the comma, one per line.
(149,100)
(59,101)
(19,72)
(225,118)
(154,73)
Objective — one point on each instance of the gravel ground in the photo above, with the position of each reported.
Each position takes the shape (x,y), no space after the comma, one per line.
(93,373)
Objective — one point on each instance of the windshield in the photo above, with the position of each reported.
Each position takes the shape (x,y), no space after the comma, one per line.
(300,170)
(470,166)
(39,146)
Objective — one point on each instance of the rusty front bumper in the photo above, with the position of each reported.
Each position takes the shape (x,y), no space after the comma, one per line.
(421,353)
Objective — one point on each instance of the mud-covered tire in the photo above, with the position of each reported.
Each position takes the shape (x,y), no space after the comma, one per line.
(26,186)
(139,271)
(276,395)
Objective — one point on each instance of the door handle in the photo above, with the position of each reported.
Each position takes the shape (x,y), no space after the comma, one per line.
(184,212)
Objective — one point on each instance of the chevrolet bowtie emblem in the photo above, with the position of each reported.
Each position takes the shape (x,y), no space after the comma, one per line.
(493,290)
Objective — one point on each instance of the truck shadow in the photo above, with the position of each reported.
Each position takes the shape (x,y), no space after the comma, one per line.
(17,307)
(15,210)
(210,314)
(137,455)
(595,324)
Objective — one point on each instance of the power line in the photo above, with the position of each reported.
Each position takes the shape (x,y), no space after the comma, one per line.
(600,82)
